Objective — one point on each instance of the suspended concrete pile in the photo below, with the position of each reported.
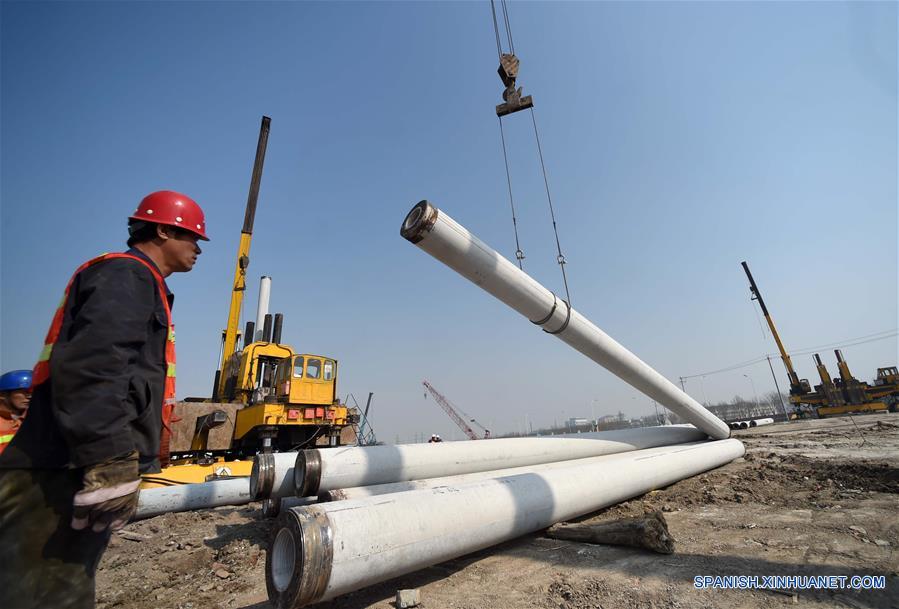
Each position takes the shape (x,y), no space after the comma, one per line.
(449,242)
(311,472)
(322,551)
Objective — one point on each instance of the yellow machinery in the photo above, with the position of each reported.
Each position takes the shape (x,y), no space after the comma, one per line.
(833,396)
(288,399)
(847,394)
(265,395)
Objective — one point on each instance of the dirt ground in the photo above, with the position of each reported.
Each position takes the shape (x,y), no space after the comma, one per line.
(809,498)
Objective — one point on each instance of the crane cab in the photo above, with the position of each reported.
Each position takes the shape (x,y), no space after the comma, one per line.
(290,398)
(249,373)
(886,376)
(306,379)
(303,399)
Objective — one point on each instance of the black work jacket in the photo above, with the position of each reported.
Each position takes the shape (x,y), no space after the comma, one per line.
(107,374)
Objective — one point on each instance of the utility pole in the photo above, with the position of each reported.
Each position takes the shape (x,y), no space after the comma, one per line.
(683,388)
(704,396)
(752,383)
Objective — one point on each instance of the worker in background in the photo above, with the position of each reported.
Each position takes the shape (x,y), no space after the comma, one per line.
(435,438)
(103,395)
(15,393)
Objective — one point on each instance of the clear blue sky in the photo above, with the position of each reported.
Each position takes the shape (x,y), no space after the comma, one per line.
(680,139)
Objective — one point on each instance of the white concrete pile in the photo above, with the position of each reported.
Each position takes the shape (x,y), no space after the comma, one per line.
(311,472)
(321,551)
(434,232)
(751,423)
(186,497)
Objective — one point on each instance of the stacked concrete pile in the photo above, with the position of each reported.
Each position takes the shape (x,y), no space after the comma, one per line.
(187,497)
(313,472)
(374,533)
(751,423)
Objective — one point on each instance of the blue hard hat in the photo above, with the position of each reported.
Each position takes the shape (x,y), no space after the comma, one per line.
(15,379)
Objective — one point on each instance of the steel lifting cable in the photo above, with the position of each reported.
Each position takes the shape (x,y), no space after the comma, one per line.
(506,23)
(560,257)
(508,27)
(499,50)
(755,308)
(519,255)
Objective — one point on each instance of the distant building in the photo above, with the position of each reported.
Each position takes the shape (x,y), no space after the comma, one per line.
(575,424)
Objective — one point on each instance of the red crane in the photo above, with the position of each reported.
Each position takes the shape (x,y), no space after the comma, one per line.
(453,414)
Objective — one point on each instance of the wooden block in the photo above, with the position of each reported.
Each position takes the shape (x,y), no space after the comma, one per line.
(649,532)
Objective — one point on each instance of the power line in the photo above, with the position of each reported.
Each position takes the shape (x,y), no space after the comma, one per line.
(745,364)
(860,340)
(849,342)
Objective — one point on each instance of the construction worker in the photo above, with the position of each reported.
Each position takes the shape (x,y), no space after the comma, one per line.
(435,438)
(103,395)
(15,393)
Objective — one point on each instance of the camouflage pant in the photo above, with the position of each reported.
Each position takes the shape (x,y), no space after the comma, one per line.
(44,562)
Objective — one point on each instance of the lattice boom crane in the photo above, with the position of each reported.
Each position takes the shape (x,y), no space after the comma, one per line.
(445,404)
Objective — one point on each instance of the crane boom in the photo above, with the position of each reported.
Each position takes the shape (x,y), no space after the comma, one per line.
(229,336)
(788,363)
(445,404)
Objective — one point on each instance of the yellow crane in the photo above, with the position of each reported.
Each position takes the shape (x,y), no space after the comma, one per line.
(266,395)
(833,396)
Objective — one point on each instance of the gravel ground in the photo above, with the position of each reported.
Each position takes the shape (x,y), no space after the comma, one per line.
(809,498)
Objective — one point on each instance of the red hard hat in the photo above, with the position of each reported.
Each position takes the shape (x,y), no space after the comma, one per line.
(173,209)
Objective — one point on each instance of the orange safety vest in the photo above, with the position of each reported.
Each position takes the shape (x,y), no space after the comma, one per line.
(42,369)
(8,428)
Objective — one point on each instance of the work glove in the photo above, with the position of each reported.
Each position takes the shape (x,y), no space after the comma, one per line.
(109,496)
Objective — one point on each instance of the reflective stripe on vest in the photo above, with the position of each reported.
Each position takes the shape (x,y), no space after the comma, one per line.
(4,442)
(41,373)
(9,429)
